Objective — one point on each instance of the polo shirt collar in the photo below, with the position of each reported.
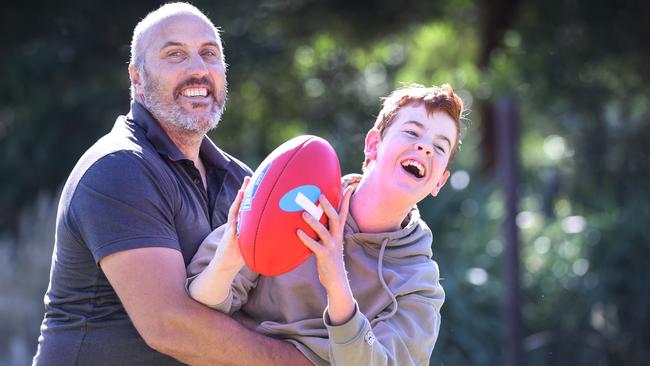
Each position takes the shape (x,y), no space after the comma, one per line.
(212,155)
(209,152)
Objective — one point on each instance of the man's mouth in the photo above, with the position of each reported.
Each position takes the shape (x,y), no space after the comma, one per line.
(195,88)
(414,168)
(195,92)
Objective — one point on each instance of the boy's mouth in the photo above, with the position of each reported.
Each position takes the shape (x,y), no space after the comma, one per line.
(414,168)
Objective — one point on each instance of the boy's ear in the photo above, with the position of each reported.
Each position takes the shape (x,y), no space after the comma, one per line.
(440,183)
(136,79)
(373,138)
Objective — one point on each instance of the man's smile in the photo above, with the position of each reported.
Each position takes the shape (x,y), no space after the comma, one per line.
(195,92)
(195,89)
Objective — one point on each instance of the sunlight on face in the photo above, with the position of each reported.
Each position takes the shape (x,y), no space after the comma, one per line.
(183,79)
(413,154)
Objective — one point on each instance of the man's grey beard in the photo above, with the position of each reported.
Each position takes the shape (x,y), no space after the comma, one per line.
(172,113)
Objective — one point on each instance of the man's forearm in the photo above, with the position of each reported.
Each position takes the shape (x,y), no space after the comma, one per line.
(174,324)
(198,335)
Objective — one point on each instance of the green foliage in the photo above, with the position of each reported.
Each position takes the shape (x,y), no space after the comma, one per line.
(577,69)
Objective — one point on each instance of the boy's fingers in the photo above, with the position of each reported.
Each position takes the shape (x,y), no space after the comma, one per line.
(310,243)
(332,215)
(245,182)
(327,207)
(345,205)
(320,230)
(234,208)
(347,193)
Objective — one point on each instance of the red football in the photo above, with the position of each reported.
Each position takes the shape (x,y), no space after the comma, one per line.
(287,183)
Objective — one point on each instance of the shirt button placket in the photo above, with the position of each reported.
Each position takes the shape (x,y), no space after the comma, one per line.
(194,173)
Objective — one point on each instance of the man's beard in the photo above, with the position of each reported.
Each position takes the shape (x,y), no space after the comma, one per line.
(170,112)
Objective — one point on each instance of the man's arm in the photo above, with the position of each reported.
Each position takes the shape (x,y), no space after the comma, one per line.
(150,283)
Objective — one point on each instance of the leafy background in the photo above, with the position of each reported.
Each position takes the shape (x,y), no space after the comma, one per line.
(577,70)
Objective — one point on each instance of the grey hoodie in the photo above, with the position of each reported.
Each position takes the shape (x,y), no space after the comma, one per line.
(394,282)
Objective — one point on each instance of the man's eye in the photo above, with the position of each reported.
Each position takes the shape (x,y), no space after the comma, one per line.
(210,53)
(175,54)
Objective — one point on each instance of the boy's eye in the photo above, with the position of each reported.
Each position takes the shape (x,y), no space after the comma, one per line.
(411,132)
(440,149)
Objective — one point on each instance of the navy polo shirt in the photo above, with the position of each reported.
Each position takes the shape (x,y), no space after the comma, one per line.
(132,189)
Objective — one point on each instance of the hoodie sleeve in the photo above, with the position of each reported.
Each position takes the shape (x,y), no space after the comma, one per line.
(241,285)
(406,338)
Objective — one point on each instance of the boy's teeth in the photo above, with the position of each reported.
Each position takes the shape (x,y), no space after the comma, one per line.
(415,164)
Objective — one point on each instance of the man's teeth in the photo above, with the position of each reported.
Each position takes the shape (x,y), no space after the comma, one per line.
(195,92)
(415,164)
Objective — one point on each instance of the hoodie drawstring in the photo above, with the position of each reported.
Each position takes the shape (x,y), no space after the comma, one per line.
(380,273)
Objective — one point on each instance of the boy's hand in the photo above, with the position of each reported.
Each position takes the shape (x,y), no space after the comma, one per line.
(228,257)
(329,257)
(212,285)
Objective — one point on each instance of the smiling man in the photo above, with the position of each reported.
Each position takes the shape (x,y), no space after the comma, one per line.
(135,209)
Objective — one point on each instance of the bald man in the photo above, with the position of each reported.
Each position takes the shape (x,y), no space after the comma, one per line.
(135,209)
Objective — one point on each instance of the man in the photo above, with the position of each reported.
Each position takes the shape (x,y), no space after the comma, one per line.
(136,207)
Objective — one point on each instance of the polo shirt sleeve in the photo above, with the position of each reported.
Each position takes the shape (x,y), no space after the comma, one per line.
(122,202)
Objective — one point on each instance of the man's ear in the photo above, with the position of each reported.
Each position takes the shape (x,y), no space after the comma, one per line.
(440,183)
(136,79)
(373,138)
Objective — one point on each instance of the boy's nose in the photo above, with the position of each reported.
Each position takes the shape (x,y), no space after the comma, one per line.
(423,147)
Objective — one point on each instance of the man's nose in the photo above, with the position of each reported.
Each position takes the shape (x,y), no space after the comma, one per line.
(197,66)
(426,148)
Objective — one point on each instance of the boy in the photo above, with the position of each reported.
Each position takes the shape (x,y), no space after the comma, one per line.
(379,297)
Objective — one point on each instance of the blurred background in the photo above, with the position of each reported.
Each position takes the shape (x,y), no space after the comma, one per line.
(575,73)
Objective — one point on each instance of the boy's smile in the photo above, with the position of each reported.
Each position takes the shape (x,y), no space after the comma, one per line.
(411,158)
(414,167)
